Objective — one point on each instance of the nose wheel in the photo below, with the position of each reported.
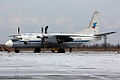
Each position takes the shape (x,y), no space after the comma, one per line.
(70,50)
(17,50)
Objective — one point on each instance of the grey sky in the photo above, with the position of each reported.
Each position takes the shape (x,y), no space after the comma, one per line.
(60,15)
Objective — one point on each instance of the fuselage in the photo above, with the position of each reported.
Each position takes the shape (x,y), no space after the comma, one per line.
(34,40)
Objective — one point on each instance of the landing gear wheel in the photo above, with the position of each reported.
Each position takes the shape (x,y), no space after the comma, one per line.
(53,51)
(70,50)
(17,51)
(37,50)
(61,50)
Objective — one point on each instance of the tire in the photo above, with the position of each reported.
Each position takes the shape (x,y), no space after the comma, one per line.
(37,50)
(53,51)
(61,50)
(17,51)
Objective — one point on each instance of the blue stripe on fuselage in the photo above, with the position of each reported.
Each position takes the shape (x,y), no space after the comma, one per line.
(41,41)
(28,41)
(82,41)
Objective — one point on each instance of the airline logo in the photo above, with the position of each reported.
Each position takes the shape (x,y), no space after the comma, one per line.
(94,25)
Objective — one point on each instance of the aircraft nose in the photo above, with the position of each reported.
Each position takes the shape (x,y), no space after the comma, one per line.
(9,43)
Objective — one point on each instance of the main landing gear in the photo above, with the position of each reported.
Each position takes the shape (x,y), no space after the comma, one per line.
(37,50)
(70,50)
(61,50)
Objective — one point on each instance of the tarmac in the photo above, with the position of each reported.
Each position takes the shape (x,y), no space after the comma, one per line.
(60,66)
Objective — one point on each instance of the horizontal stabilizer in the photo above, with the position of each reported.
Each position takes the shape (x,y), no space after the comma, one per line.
(104,34)
(14,35)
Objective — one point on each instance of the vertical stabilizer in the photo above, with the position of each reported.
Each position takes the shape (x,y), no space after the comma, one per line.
(93,27)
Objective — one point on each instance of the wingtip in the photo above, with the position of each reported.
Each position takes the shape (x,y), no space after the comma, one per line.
(96,12)
(113,32)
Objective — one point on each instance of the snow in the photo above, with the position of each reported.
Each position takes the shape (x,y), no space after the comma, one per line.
(73,66)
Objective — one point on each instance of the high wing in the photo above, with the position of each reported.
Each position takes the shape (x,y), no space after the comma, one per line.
(18,33)
(104,34)
(60,38)
(14,35)
(73,35)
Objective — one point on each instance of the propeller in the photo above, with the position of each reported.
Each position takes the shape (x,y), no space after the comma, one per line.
(42,30)
(18,30)
(43,36)
(16,36)
(46,28)
(43,39)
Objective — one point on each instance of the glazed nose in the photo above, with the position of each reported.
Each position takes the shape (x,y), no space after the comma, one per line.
(9,43)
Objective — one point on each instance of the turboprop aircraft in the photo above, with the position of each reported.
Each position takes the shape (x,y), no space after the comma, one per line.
(57,40)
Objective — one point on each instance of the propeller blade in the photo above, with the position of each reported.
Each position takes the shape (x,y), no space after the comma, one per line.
(46,28)
(42,30)
(43,39)
(43,36)
(18,30)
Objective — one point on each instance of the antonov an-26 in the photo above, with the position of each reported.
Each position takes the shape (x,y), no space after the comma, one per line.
(57,40)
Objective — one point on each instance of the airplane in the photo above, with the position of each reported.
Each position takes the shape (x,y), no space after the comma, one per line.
(57,40)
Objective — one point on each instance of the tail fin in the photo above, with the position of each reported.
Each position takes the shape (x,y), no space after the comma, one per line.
(94,25)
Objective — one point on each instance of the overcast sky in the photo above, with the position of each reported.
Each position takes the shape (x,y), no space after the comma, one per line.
(68,16)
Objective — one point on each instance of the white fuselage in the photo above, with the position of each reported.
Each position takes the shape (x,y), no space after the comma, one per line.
(34,40)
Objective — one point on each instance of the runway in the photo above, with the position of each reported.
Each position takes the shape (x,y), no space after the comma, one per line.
(62,66)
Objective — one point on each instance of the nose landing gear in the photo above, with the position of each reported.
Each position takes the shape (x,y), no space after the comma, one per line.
(17,50)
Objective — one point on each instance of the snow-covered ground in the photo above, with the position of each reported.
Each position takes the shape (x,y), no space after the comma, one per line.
(62,66)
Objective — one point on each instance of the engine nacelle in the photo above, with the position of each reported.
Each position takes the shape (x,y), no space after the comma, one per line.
(51,39)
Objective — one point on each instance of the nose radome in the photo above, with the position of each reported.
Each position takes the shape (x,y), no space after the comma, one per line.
(9,43)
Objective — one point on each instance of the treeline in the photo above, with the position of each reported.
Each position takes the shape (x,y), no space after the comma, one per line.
(99,47)
(102,45)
